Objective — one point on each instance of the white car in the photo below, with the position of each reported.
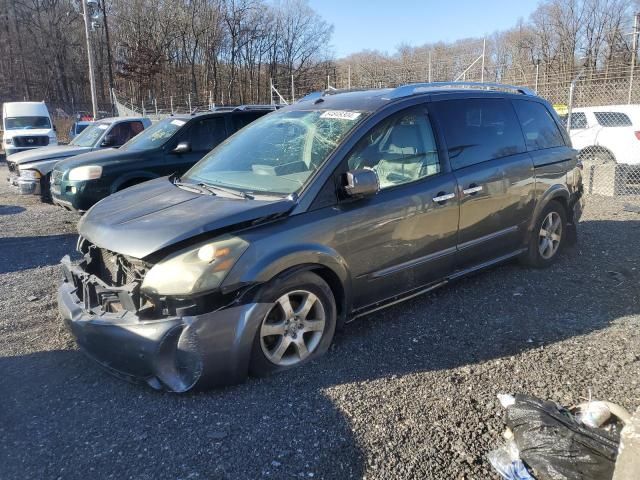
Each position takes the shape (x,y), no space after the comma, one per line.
(607,134)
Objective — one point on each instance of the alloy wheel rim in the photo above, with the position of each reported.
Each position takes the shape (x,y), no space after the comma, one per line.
(550,235)
(293,328)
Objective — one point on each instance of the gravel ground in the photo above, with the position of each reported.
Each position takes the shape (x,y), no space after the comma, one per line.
(409,392)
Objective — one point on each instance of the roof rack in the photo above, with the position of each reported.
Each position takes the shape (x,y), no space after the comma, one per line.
(416,88)
(245,108)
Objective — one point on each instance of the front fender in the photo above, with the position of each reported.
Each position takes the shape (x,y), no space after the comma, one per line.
(139,174)
(254,268)
(45,167)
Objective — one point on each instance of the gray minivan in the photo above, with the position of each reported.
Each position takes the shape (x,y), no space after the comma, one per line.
(329,209)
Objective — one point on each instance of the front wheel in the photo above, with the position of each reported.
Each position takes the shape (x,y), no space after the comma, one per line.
(298,327)
(547,237)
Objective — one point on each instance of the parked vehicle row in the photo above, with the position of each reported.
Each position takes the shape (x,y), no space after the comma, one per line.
(313,215)
(30,171)
(171,146)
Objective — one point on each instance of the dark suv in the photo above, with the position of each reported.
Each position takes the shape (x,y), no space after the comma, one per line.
(170,146)
(327,210)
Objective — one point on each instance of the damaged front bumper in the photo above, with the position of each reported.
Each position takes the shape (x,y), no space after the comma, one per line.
(173,353)
(24,186)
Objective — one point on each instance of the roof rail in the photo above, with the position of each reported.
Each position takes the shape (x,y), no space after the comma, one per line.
(415,88)
(244,108)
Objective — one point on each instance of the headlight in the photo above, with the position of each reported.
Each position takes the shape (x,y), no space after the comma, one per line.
(89,172)
(196,269)
(30,174)
(8,141)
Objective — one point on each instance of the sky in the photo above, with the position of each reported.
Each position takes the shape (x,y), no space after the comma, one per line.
(385,24)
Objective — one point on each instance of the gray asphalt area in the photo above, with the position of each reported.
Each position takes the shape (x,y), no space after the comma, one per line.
(408,392)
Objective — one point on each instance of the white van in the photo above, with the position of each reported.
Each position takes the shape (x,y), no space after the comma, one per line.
(607,134)
(26,125)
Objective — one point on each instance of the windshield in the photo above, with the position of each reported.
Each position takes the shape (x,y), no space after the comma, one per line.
(155,136)
(277,153)
(26,123)
(90,135)
(80,127)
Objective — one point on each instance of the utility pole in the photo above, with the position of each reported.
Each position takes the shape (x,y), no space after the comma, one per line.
(634,53)
(484,50)
(92,78)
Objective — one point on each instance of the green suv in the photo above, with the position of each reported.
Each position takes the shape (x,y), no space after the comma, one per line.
(170,146)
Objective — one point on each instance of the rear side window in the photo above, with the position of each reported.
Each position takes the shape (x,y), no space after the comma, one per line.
(539,129)
(578,120)
(207,133)
(125,131)
(241,120)
(613,119)
(479,129)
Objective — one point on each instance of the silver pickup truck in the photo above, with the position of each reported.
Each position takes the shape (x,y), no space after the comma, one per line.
(29,171)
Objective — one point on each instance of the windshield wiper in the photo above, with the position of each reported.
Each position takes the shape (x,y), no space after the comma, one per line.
(237,193)
(193,187)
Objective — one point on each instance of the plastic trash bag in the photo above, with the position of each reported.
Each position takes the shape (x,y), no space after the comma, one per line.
(506,461)
(558,447)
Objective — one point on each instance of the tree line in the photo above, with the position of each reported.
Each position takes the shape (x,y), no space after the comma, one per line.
(229,51)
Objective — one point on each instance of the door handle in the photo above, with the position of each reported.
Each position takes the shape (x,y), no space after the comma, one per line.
(443,197)
(472,190)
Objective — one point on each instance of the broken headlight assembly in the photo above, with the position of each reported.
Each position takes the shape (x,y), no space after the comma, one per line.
(30,174)
(196,269)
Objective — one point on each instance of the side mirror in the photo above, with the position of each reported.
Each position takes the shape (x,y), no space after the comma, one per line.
(109,141)
(182,147)
(361,183)
(55,129)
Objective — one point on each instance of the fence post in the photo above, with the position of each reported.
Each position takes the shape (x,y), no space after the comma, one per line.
(155,104)
(293,95)
(349,78)
(634,52)
(189,100)
(171,103)
(484,49)
(572,87)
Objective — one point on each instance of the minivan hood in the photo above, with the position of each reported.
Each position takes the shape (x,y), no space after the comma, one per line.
(47,153)
(154,215)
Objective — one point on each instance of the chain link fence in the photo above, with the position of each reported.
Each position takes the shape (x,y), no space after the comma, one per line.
(600,107)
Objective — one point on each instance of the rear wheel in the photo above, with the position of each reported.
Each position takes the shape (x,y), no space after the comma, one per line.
(298,327)
(548,236)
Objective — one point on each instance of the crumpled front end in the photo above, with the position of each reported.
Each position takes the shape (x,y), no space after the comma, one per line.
(27,182)
(171,344)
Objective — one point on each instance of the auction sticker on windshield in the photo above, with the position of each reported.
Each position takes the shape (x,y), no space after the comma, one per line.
(103,126)
(178,122)
(340,115)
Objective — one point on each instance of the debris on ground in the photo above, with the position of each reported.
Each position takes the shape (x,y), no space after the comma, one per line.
(546,441)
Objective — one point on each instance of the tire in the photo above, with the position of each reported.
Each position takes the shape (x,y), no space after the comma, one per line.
(544,249)
(284,341)
(45,189)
